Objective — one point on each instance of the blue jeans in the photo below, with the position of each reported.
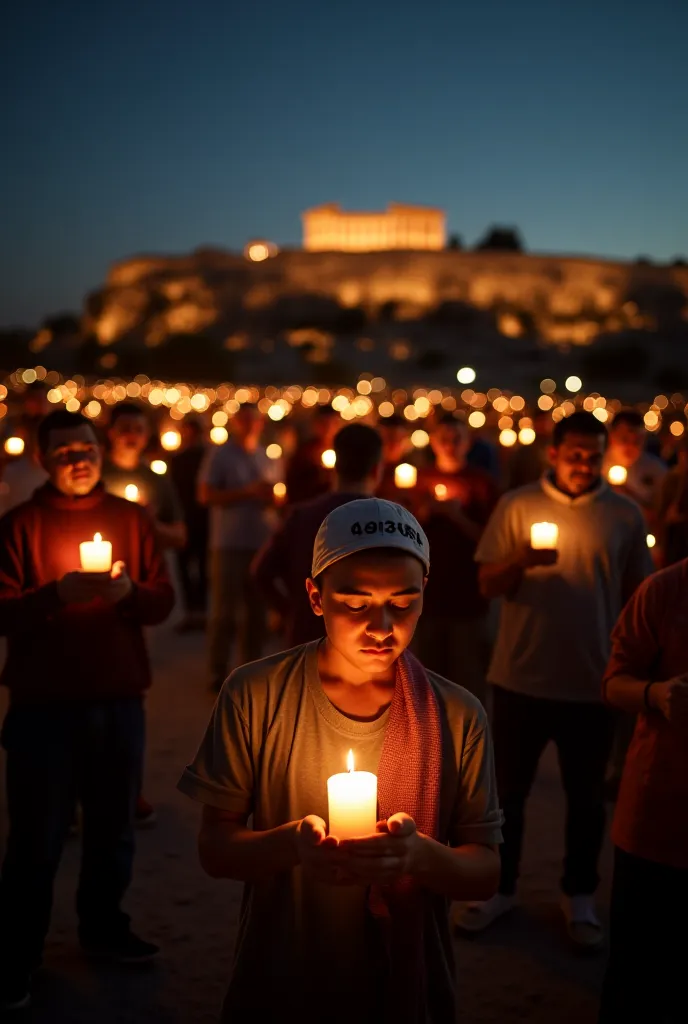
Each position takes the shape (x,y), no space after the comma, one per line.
(58,754)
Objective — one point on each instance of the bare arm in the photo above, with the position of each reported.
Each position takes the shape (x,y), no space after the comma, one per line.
(502,579)
(228,849)
(469,872)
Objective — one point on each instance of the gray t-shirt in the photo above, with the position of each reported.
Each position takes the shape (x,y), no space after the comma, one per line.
(553,638)
(306,950)
(246,525)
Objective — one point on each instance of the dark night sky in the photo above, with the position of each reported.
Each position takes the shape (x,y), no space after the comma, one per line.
(161,126)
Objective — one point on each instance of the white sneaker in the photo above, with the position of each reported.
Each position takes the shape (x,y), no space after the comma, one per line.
(475,917)
(582,923)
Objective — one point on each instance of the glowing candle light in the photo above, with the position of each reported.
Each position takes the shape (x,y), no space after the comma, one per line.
(617,475)
(96,555)
(441,492)
(279,491)
(14,445)
(159,466)
(651,540)
(405,475)
(131,492)
(544,536)
(171,440)
(329,458)
(352,801)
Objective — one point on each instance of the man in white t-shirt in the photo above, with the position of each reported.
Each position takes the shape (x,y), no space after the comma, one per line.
(558,610)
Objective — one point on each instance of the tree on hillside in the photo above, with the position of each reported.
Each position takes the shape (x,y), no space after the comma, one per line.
(501,239)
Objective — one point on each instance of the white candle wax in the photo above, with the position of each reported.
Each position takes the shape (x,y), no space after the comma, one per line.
(405,475)
(617,475)
(544,536)
(96,555)
(352,801)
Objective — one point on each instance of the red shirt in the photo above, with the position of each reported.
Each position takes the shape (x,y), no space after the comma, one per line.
(306,477)
(286,559)
(452,589)
(69,652)
(649,642)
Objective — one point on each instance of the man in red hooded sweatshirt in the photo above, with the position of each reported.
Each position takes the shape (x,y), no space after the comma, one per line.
(76,670)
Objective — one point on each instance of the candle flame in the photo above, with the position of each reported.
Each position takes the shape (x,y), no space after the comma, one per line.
(97,538)
(350,761)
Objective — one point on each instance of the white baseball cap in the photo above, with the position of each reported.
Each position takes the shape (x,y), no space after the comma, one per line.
(368,523)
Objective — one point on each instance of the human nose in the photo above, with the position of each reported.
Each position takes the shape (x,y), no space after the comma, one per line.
(379,624)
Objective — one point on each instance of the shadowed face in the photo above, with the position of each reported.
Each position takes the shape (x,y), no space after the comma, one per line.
(450,440)
(577,462)
(371,602)
(627,443)
(129,434)
(73,460)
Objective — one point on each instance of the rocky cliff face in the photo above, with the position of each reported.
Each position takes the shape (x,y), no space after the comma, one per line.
(387,308)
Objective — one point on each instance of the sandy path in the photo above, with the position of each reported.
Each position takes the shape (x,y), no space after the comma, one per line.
(522,970)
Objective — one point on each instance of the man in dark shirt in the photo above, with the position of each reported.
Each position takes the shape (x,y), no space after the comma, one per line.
(306,476)
(76,670)
(282,565)
(192,559)
(455,501)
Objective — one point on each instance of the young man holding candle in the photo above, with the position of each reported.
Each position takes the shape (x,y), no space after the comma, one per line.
(76,670)
(627,449)
(350,929)
(558,608)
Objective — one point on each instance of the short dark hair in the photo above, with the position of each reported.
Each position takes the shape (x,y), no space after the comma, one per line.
(59,420)
(395,420)
(359,451)
(127,409)
(448,419)
(578,423)
(629,417)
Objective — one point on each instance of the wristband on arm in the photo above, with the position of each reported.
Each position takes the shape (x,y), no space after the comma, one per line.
(646,695)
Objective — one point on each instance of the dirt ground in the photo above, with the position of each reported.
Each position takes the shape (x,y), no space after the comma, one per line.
(522,970)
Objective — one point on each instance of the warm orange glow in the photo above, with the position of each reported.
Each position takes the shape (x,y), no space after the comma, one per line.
(350,761)
(218,435)
(544,536)
(526,435)
(386,409)
(420,439)
(617,475)
(476,420)
(508,438)
(405,475)
(258,252)
(273,451)
(328,228)
(441,492)
(329,458)
(171,440)
(96,554)
(131,492)
(651,540)
(159,466)
(280,491)
(677,428)
(14,445)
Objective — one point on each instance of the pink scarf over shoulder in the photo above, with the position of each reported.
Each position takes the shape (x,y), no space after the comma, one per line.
(409,779)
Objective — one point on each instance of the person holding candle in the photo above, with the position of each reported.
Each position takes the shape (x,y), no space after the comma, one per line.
(284,561)
(558,607)
(452,633)
(627,449)
(351,928)
(76,671)
(647,676)
(128,436)
(306,476)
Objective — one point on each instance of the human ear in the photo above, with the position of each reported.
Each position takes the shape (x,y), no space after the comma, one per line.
(314,596)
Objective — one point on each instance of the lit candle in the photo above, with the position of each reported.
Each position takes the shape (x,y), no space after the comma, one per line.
(14,445)
(617,475)
(405,475)
(280,492)
(544,536)
(159,466)
(131,492)
(352,801)
(171,440)
(441,492)
(96,555)
(329,458)
(651,540)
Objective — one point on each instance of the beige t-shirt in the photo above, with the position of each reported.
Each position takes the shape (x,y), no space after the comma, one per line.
(553,638)
(305,948)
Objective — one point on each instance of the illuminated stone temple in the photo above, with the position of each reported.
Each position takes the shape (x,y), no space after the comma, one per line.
(328,228)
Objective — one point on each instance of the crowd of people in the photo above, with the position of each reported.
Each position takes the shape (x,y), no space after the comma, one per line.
(319,544)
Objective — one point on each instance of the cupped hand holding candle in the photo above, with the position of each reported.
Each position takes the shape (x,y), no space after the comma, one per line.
(352,802)
(96,555)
